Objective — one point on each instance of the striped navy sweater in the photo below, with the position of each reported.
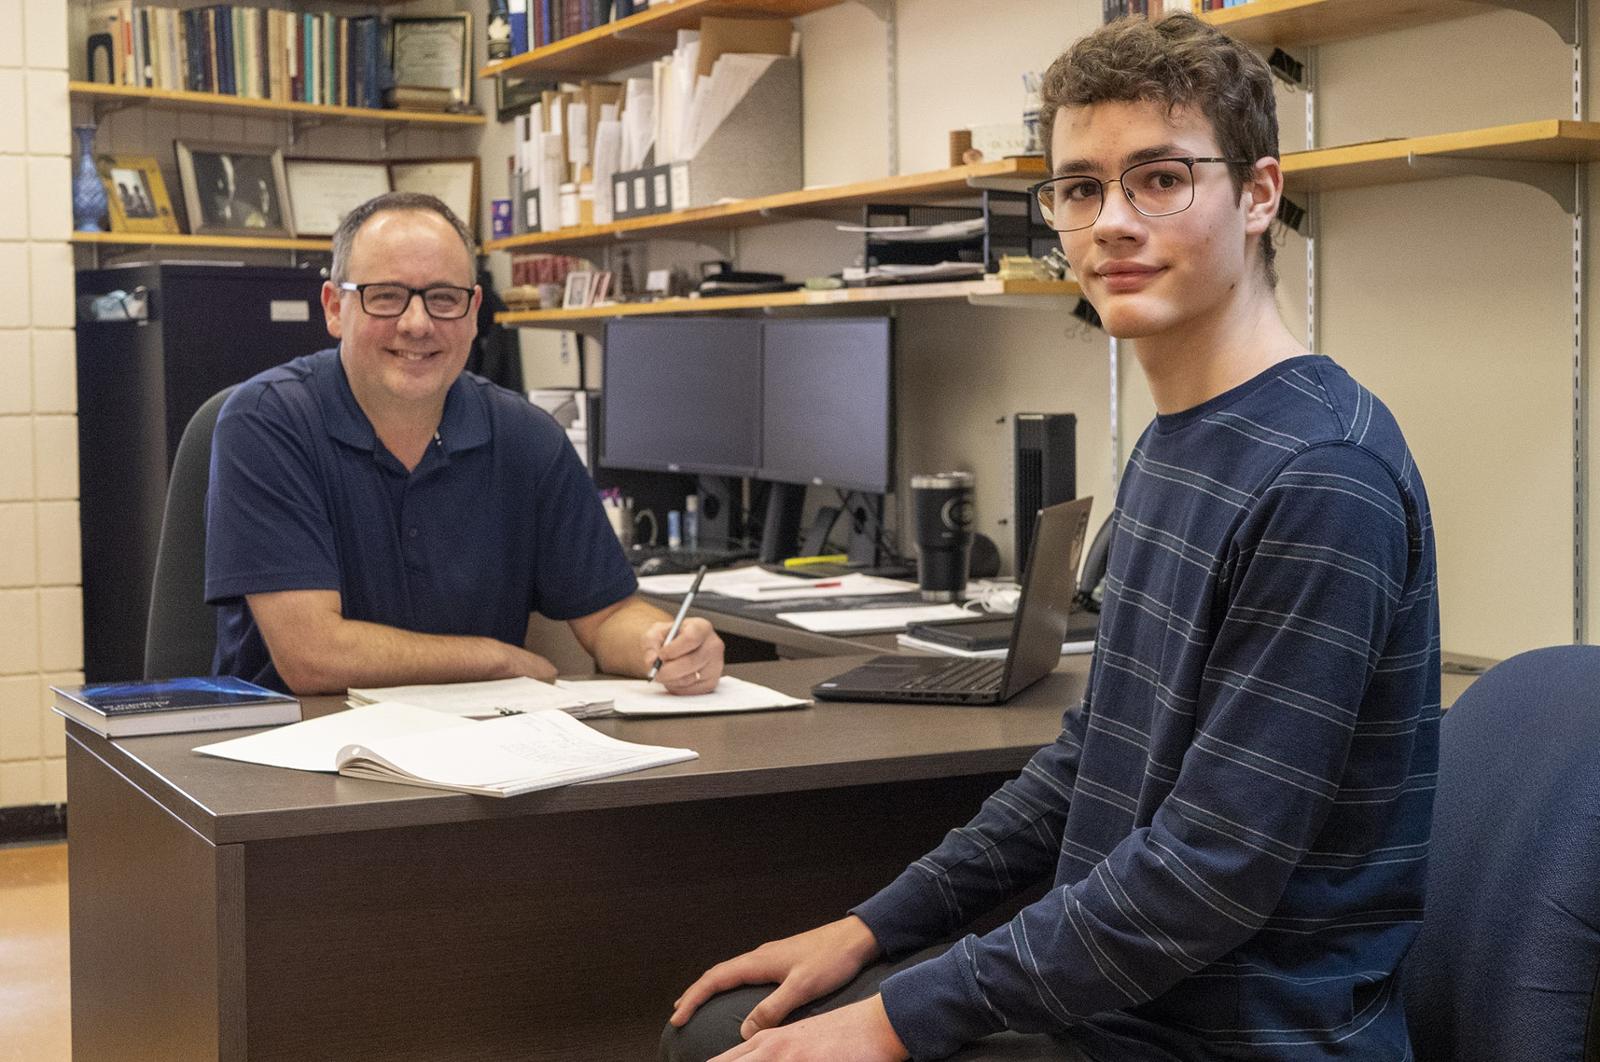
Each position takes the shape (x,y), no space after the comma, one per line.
(1236,818)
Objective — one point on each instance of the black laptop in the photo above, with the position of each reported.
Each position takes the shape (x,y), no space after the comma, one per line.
(1039,628)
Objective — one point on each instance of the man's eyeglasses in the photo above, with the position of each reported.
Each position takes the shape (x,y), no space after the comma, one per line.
(1155,188)
(443,303)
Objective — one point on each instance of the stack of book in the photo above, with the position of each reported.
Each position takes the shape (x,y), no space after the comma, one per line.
(251,52)
(536,23)
(173,706)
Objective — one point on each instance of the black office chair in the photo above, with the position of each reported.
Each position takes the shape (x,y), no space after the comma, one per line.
(181,637)
(1507,967)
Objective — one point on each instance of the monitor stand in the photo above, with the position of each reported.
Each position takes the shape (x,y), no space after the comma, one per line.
(780,530)
(721,514)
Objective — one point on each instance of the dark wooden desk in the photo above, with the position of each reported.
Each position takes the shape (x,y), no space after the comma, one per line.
(227,911)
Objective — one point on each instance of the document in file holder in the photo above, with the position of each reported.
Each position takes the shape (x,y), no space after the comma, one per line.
(414,746)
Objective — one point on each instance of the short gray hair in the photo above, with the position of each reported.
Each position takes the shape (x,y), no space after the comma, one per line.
(345,238)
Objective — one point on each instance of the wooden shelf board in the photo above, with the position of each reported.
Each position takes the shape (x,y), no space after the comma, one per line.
(181,239)
(637,38)
(1289,23)
(838,200)
(1384,161)
(986,288)
(88,90)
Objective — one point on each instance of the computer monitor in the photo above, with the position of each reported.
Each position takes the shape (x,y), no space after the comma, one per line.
(827,388)
(683,395)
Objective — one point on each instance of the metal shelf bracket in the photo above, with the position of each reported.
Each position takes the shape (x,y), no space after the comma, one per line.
(1555,179)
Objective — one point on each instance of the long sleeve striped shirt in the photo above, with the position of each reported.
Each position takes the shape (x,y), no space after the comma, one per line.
(1235,820)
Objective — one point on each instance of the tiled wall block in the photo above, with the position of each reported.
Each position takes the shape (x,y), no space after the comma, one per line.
(16,471)
(55,370)
(11,41)
(60,628)
(55,442)
(13,179)
(60,551)
(49,197)
(21,783)
(16,366)
(19,632)
(21,725)
(45,22)
(19,565)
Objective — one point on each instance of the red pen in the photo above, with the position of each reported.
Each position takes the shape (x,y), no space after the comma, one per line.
(807,586)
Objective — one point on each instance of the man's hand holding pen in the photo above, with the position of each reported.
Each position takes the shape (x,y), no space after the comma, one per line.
(691,662)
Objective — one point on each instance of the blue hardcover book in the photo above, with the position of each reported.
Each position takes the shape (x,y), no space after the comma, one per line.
(547,21)
(517,16)
(225,79)
(170,706)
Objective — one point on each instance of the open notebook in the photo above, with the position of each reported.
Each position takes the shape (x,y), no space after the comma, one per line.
(396,742)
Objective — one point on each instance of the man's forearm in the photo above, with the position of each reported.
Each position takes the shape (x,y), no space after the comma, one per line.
(346,653)
(617,640)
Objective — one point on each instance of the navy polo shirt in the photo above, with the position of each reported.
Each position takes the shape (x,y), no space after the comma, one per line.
(498,520)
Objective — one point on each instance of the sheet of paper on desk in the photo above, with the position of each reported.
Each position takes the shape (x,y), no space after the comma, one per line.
(485,700)
(313,745)
(859,621)
(908,642)
(754,583)
(637,697)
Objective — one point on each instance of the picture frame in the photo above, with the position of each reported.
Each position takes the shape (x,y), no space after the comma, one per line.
(528,219)
(232,190)
(600,288)
(577,290)
(433,51)
(136,194)
(453,180)
(323,190)
(514,95)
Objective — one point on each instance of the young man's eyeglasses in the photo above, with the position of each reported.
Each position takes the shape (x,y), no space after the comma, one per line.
(1155,188)
(443,303)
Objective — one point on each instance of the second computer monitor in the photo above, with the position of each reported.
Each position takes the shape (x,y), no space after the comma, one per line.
(828,403)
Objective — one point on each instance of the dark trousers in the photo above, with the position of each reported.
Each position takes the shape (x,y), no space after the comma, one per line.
(715,1026)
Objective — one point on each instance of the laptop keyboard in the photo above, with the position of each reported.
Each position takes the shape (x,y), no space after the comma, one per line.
(973,675)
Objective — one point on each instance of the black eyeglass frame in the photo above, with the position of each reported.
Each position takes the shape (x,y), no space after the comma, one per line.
(361,292)
(1037,190)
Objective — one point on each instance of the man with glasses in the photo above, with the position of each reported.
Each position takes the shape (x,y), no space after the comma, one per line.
(1231,831)
(376,516)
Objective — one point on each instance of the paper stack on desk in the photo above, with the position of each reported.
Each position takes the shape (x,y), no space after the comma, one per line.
(637,697)
(395,742)
(485,700)
(866,621)
(754,583)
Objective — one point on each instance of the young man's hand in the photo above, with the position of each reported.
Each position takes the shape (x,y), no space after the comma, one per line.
(805,967)
(691,662)
(858,1033)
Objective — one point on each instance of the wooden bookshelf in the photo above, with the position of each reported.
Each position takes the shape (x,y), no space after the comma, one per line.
(181,239)
(1385,161)
(212,101)
(638,38)
(841,201)
(1290,23)
(975,291)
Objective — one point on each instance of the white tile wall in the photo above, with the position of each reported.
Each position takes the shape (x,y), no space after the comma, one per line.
(41,622)
(19,559)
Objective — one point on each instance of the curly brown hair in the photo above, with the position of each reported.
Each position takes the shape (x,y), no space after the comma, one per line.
(1178,61)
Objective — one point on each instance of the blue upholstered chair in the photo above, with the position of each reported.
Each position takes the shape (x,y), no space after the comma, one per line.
(181,636)
(1507,967)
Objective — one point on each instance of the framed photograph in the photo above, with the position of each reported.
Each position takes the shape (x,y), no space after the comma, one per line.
(433,52)
(453,180)
(577,294)
(514,95)
(600,287)
(234,191)
(323,191)
(137,194)
(529,218)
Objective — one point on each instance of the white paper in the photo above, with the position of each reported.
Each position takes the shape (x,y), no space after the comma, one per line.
(578,138)
(476,699)
(638,122)
(313,745)
(514,754)
(714,98)
(552,171)
(793,588)
(638,697)
(858,621)
(607,160)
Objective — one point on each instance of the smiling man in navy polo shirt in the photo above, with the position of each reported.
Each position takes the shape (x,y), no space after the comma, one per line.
(377,516)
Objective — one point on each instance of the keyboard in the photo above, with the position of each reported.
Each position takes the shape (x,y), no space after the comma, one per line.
(664,560)
(967,675)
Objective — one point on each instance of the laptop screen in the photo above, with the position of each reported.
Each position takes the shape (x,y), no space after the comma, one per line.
(1048,587)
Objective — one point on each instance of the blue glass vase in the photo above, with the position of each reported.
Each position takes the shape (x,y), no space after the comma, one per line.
(88,193)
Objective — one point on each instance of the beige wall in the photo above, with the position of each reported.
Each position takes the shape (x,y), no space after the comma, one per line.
(41,627)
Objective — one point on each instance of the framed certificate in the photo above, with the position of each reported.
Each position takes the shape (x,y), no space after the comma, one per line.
(323,191)
(455,181)
(433,52)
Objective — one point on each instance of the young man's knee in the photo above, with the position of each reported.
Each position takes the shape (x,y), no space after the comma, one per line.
(714,1027)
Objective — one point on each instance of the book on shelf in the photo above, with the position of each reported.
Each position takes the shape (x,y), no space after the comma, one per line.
(171,706)
(485,700)
(397,742)
(249,52)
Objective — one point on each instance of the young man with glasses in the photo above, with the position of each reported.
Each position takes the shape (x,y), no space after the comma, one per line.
(1231,830)
(376,516)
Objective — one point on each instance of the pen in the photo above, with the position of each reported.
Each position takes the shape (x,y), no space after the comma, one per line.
(683,610)
(803,586)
